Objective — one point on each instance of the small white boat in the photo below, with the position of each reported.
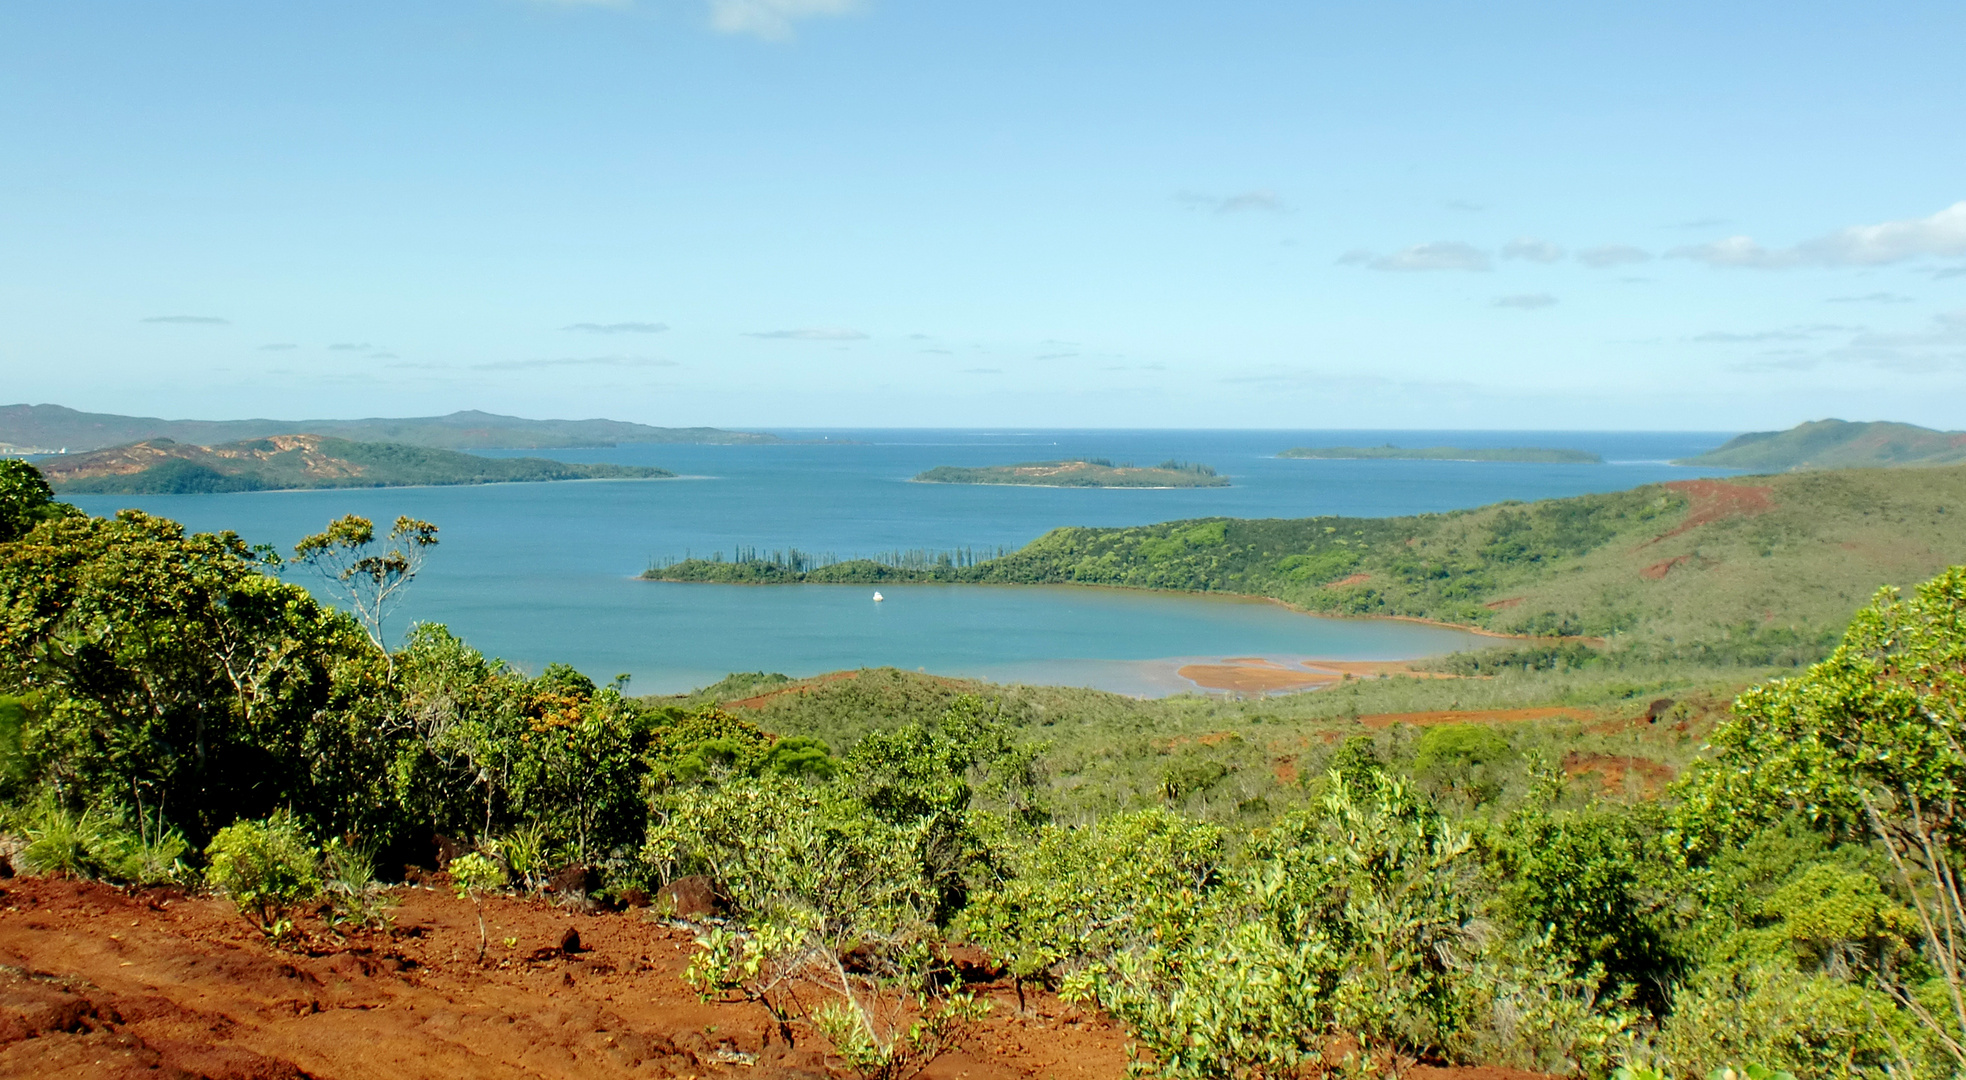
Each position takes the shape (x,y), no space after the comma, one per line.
(878,598)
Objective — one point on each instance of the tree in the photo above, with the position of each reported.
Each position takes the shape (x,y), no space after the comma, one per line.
(1869,741)
(372,576)
(25,499)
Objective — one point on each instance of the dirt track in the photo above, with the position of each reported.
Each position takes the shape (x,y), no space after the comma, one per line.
(98,983)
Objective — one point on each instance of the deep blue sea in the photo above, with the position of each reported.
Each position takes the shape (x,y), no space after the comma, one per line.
(534,573)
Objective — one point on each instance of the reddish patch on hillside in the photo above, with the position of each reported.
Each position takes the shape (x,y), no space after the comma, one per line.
(1612,769)
(1472,716)
(1504,604)
(1658,570)
(1348,582)
(1285,769)
(1716,500)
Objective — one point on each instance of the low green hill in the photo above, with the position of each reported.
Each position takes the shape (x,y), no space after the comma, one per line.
(1753,570)
(1837,444)
(1539,455)
(284,462)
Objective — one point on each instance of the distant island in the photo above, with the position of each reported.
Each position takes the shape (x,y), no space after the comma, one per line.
(48,428)
(1532,454)
(1094,472)
(289,462)
(1836,444)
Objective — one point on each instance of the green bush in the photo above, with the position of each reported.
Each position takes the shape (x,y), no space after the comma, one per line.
(266,867)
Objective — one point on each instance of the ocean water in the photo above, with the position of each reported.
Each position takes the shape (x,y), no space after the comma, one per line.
(535,573)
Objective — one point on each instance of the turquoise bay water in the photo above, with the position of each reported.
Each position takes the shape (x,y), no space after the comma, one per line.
(535,573)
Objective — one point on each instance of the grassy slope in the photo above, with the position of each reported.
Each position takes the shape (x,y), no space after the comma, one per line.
(1838,444)
(263,465)
(1106,752)
(1645,568)
(1537,454)
(1073,474)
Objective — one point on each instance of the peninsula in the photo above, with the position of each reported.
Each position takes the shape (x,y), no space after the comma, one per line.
(1837,444)
(1095,472)
(289,462)
(57,427)
(1528,454)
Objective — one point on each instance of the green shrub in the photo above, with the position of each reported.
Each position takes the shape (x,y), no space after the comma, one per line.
(1075,897)
(266,867)
(355,897)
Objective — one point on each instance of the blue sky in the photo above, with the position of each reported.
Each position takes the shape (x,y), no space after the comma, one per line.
(905,212)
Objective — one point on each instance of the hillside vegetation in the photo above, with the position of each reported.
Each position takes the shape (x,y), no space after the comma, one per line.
(1837,444)
(284,462)
(52,427)
(1752,570)
(1342,883)
(1096,472)
(1529,454)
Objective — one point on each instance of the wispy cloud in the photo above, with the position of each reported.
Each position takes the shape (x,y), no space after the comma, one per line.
(278,346)
(349,346)
(772,20)
(1871,298)
(1609,255)
(1440,255)
(382,356)
(1465,206)
(982,371)
(1530,249)
(617,328)
(1261,200)
(189,320)
(575,361)
(936,352)
(1056,356)
(1943,233)
(811,333)
(1526,301)
(1787,333)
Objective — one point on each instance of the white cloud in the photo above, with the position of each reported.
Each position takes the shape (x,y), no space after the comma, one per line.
(811,333)
(577,361)
(772,19)
(1871,298)
(1526,301)
(1260,200)
(1607,255)
(1440,255)
(1943,233)
(1531,249)
(618,327)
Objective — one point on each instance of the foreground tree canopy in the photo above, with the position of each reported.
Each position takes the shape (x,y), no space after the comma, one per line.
(172,709)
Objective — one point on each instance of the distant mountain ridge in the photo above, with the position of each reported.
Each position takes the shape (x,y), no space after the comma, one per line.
(1837,444)
(293,462)
(55,427)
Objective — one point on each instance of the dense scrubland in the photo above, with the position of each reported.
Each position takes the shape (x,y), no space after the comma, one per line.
(1566,859)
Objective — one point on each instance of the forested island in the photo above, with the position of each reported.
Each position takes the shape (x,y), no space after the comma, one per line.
(1530,454)
(1091,472)
(289,462)
(1837,444)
